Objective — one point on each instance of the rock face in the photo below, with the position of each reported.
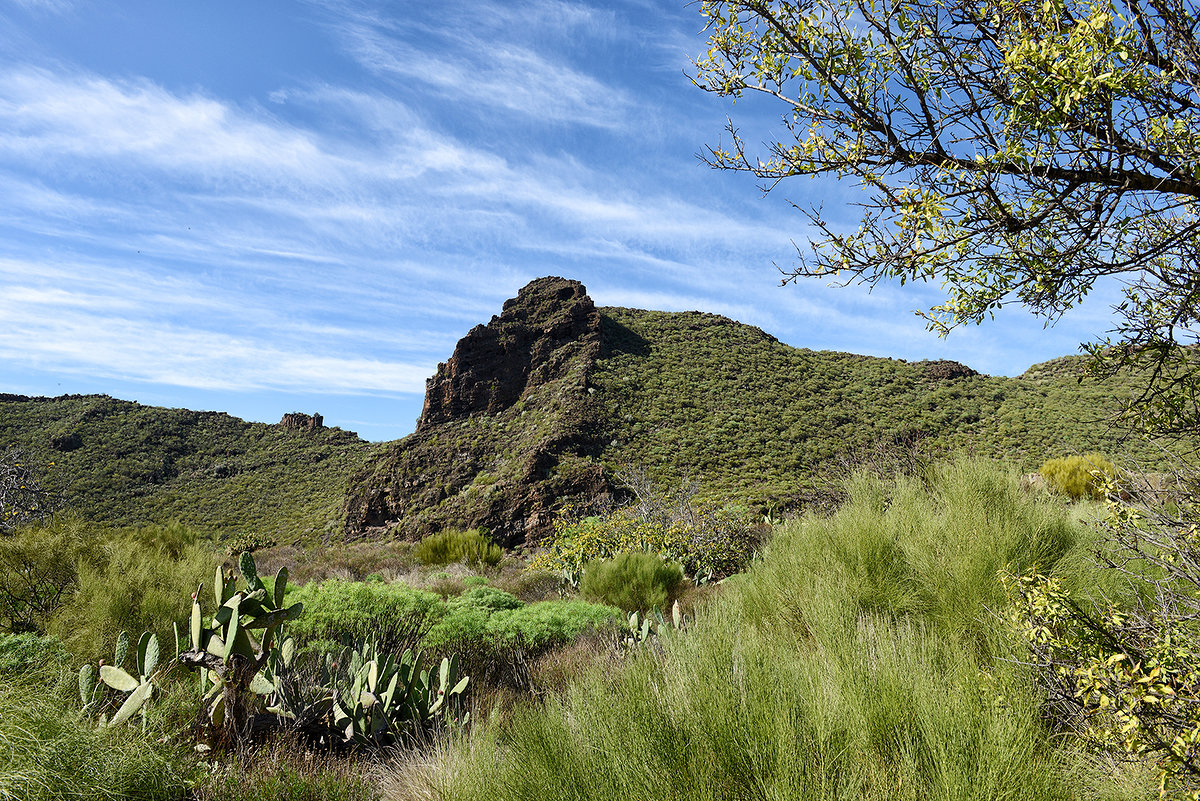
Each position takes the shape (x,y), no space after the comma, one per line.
(509,430)
(946,370)
(299,421)
(549,324)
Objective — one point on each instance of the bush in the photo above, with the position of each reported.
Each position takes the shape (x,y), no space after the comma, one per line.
(39,569)
(550,623)
(488,598)
(634,581)
(22,653)
(142,580)
(454,545)
(498,636)
(394,616)
(1079,476)
(710,543)
(1115,646)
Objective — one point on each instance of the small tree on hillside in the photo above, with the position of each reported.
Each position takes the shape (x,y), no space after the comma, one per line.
(23,496)
(1011,150)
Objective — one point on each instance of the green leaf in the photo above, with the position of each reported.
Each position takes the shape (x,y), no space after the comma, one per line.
(133,703)
(122,649)
(117,678)
(281,579)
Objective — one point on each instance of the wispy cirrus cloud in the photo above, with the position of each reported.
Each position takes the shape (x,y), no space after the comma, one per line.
(480,62)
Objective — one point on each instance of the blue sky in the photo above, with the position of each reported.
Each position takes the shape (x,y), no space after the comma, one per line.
(277,206)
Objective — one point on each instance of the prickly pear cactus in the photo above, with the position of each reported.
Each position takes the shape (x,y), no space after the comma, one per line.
(233,648)
(139,689)
(378,700)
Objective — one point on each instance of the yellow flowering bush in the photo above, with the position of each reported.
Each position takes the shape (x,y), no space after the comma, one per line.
(1079,476)
(710,543)
(1125,674)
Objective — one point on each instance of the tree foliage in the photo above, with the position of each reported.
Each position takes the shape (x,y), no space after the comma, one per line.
(1124,673)
(1012,151)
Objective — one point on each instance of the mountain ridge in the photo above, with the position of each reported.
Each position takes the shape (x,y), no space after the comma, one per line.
(540,407)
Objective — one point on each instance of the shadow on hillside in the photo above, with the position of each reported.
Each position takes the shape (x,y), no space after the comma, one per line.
(616,338)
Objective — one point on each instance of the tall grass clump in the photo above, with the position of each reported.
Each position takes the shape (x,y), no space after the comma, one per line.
(139,580)
(50,752)
(453,545)
(862,657)
(634,581)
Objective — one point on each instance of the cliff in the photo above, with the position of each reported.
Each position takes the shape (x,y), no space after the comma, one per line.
(508,432)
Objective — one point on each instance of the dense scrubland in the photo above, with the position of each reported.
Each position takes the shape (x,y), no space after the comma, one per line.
(878,651)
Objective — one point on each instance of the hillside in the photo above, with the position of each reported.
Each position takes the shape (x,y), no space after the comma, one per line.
(538,408)
(123,463)
(537,418)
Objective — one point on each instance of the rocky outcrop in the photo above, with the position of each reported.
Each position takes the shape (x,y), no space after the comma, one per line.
(509,431)
(299,421)
(946,370)
(539,334)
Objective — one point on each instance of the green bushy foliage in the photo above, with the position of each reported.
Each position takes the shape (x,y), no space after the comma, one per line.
(39,569)
(550,623)
(87,583)
(709,542)
(488,598)
(857,659)
(22,653)
(634,581)
(395,616)
(1079,476)
(142,580)
(498,635)
(1114,642)
(454,545)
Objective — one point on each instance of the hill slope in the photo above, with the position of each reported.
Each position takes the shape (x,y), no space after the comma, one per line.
(537,408)
(541,412)
(123,463)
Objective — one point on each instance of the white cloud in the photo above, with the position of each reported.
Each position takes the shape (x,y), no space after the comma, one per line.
(490,71)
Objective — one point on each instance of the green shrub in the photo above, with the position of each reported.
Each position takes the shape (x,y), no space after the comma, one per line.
(142,580)
(488,598)
(21,653)
(454,545)
(463,627)
(39,569)
(1079,476)
(395,616)
(634,581)
(550,623)
(710,542)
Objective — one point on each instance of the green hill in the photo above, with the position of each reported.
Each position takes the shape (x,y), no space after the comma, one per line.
(692,395)
(123,463)
(544,403)
(541,406)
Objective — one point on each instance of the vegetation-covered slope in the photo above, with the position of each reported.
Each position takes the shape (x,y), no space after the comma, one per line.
(123,463)
(541,406)
(692,395)
(553,396)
